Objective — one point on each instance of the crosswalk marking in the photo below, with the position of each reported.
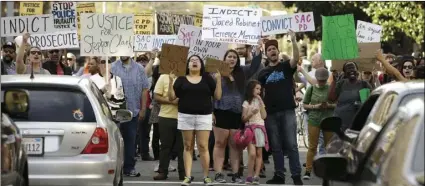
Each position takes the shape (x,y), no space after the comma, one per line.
(174,183)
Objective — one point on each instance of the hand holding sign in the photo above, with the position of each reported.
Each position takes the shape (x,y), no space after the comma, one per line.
(25,38)
(214,65)
(292,35)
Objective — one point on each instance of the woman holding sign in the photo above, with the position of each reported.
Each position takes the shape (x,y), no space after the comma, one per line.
(195,91)
(34,56)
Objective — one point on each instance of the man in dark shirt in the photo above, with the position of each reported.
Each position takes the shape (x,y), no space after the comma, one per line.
(9,55)
(54,65)
(281,125)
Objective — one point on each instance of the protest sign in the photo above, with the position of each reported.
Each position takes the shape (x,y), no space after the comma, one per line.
(280,24)
(212,65)
(339,37)
(168,24)
(173,58)
(198,20)
(30,8)
(207,49)
(143,24)
(107,34)
(56,40)
(18,25)
(149,42)
(368,32)
(64,15)
(187,34)
(366,60)
(231,25)
(84,8)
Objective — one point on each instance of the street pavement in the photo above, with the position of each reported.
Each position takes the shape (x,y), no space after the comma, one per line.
(146,168)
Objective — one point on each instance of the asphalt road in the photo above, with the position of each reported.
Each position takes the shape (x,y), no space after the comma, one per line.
(146,168)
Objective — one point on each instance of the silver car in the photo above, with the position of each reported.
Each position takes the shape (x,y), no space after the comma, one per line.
(69,133)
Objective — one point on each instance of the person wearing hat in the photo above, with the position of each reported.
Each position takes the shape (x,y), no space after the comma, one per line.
(278,80)
(317,103)
(71,62)
(8,65)
(54,65)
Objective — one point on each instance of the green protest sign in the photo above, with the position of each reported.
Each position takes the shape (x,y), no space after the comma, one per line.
(339,37)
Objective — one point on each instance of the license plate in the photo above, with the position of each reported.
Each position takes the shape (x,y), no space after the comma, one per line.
(34,146)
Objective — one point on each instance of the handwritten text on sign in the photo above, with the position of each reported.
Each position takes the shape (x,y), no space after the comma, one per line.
(368,32)
(231,25)
(30,8)
(207,49)
(187,35)
(107,34)
(64,15)
(18,25)
(149,42)
(56,40)
(144,23)
(300,22)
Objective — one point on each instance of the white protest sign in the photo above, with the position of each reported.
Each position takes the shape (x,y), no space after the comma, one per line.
(149,42)
(280,24)
(207,49)
(231,25)
(106,34)
(56,40)
(187,34)
(64,15)
(368,32)
(18,25)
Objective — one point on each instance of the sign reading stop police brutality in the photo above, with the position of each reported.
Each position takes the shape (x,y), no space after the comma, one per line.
(107,34)
(56,40)
(18,25)
(300,22)
(231,25)
(64,15)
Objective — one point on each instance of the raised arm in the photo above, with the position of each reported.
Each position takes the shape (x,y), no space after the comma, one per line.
(390,69)
(307,76)
(20,65)
(148,68)
(295,50)
(332,95)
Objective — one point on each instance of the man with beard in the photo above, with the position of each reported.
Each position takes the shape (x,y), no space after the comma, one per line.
(244,51)
(277,80)
(8,65)
(54,65)
(136,85)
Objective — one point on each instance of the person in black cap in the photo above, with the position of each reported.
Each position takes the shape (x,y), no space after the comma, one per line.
(54,65)
(8,65)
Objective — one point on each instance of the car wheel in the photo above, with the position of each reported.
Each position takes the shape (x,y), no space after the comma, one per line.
(23,179)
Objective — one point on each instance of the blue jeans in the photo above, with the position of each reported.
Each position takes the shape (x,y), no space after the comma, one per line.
(282,133)
(322,147)
(129,132)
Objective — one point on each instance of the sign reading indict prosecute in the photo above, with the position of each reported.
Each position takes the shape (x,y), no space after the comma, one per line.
(212,65)
(18,25)
(56,40)
(64,15)
(84,8)
(339,37)
(173,59)
(231,25)
(280,24)
(368,32)
(207,49)
(187,35)
(143,24)
(107,34)
(30,8)
(149,42)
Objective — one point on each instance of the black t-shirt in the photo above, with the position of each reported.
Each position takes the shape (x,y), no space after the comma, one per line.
(195,98)
(278,82)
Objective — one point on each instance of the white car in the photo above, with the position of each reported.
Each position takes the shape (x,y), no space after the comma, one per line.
(69,133)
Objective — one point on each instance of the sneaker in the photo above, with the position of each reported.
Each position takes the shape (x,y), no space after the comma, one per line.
(208,181)
(263,174)
(236,178)
(297,180)
(132,173)
(219,178)
(277,180)
(256,180)
(249,180)
(187,181)
(171,168)
(160,176)
(306,175)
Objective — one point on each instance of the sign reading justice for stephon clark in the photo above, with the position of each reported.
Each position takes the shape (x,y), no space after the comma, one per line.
(231,25)
(107,34)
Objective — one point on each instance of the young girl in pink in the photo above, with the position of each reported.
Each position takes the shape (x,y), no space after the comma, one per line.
(253,115)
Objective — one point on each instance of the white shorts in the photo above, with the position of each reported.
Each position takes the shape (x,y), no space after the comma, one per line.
(194,122)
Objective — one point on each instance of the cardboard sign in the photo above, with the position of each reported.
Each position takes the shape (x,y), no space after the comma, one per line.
(18,25)
(300,22)
(173,58)
(30,8)
(366,60)
(149,42)
(368,32)
(143,24)
(64,15)
(107,34)
(56,40)
(212,65)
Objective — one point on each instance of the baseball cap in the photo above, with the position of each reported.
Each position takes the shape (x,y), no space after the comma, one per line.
(271,42)
(321,74)
(9,45)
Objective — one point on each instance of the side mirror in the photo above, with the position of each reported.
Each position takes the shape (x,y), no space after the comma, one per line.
(123,115)
(331,167)
(16,102)
(333,124)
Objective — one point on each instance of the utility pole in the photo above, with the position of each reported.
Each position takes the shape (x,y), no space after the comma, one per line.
(10,13)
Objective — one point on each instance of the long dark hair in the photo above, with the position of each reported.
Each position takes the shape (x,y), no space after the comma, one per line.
(403,60)
(237,73)
(249,96)
(202,65)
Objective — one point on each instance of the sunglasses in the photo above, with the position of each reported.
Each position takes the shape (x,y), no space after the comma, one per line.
(69,59)
(103,61)
(35,52)
(54,51)
(408,67)
(9,51)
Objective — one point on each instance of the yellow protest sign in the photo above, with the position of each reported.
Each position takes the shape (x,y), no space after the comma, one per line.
(198,20)
(143,24)
(30,8)
(84,8)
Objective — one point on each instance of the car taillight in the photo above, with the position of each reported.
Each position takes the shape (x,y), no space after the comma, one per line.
(98,143)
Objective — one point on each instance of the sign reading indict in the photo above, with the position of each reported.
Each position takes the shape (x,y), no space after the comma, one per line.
(300,22)
(64,15)
(149,42)
(56,40)
(107,34)
(231,25)
(368,32)
(30,8)
(18,25)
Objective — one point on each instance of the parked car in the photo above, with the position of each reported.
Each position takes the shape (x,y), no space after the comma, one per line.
(394,157)
(70,135)
(14,163)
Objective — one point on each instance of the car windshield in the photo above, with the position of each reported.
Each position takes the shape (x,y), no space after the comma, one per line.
(418,155)
(51,104)
(411,97)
